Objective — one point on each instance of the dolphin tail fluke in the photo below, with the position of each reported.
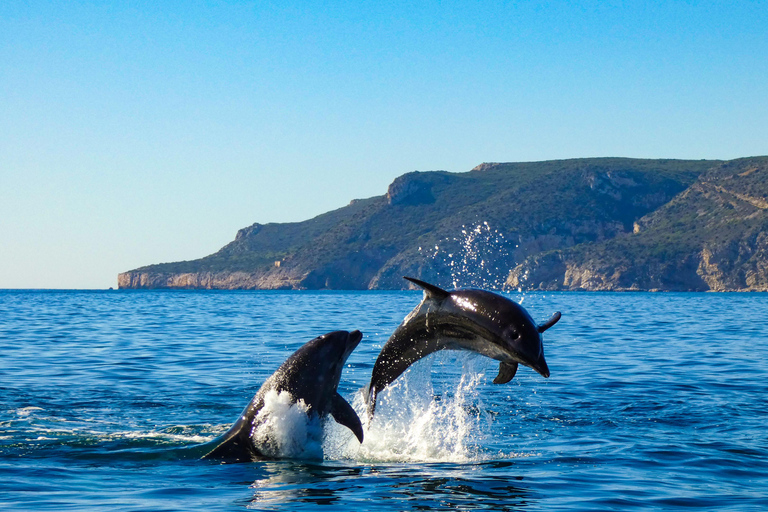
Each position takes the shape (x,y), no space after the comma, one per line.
(506,372)
(430,289)
(345,415)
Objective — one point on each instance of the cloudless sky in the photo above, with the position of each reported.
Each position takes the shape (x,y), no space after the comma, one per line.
(134,133)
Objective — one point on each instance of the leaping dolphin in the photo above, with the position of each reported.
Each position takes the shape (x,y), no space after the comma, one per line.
(311,374)
(474,320)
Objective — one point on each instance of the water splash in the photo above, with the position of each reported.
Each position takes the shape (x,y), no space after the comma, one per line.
(422,424)
(479,257)
(415,422)
(283,428)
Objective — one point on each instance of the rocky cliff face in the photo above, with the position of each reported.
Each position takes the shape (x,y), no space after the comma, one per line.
(554,272)
(711,237)
(583,224)
(210,280)
(740,265)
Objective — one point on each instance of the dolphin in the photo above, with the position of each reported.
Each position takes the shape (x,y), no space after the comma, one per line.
(312,375)
(466,319)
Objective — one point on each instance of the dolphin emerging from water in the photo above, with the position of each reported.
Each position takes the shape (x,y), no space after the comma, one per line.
(474,320)
(311,375)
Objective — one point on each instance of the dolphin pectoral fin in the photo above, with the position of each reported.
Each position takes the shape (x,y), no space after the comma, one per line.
(345,415)
(430,289)
(506,372)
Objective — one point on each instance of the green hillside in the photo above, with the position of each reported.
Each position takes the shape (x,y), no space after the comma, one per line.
(536,218)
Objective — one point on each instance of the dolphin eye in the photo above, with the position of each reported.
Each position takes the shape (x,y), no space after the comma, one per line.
(513,333)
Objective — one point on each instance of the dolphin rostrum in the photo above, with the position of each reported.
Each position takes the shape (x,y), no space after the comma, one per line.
(311,375)
(474,320)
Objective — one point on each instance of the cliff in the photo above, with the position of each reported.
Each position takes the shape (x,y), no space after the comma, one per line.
(596,224)
(712,236)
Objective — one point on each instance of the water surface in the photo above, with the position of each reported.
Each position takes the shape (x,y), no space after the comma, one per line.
(656,402)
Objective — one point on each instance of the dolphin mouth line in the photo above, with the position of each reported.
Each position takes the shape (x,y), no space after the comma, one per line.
(539,367)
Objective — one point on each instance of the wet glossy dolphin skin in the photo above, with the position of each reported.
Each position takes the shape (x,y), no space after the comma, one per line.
(311,374)
(466,319)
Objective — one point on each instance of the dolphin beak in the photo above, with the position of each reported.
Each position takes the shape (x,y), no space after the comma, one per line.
(541,366)
(353,340)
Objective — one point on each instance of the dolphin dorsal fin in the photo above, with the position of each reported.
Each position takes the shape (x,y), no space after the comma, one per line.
(549,323)
(431,290)
(345,415)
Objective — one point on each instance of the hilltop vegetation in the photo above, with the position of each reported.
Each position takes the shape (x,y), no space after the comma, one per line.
(539,220)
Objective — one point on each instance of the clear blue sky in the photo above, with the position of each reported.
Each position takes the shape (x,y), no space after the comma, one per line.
(141,132)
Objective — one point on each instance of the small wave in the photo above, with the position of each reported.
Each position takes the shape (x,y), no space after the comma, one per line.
(24,411)
(47,439)
(163,436)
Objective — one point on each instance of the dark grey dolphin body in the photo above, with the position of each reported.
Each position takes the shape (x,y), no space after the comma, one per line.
(474,320)
(311,374)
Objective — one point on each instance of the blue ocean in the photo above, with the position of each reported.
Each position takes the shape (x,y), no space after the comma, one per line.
(656,401)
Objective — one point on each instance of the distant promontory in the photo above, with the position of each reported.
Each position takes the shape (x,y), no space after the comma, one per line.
(583,224)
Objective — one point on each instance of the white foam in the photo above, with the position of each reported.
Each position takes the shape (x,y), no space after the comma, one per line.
(283,429)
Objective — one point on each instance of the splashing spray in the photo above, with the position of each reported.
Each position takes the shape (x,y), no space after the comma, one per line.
(424,416)
(479,257)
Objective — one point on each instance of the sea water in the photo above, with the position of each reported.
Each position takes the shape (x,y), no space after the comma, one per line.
(655,402)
